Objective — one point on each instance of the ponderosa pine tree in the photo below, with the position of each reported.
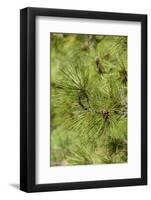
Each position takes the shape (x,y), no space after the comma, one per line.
(88,99)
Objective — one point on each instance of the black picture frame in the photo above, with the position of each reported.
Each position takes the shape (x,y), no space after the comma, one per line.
(28,99)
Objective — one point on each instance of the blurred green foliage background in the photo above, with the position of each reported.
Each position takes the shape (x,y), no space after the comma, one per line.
(88,99)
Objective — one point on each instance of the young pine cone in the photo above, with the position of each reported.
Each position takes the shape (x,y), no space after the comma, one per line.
(99,66)
(104,113)
(85,47)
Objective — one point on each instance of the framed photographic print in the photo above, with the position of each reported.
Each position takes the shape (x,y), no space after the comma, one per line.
(83,99)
